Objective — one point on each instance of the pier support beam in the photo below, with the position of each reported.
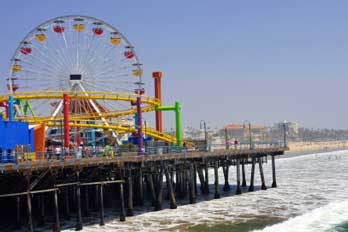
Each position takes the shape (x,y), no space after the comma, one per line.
(206,186)
(274,183)
(57,224)
(238,189)
(226,171)
(30,218)
(140,198)
(216,175)
(263,184)
(96,201)
(251,186)
(122,207)
(201,179)
(41,199)
(191,178)
(195,178)
(86,201)
(130,194)
(243,174)
(101,208)
(159,200)
(152,188)
(67,203)
(18,212)
(170,188)
(78,199)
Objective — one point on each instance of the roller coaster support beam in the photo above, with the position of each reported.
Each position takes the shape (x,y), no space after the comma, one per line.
(78,136)
(10,108)
(158,94)
(66,104)
(177,109)
(140,124)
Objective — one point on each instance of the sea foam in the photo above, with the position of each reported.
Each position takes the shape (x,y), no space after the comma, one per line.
(321,219)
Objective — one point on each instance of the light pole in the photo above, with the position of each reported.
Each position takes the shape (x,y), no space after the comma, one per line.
(249,126)
(284,130)
(202,122)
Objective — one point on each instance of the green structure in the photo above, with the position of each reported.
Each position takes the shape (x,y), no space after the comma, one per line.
(177,109)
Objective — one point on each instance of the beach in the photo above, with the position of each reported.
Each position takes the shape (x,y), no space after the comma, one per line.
(322,146)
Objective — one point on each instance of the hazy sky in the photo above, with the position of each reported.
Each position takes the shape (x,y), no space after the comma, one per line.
(226,61)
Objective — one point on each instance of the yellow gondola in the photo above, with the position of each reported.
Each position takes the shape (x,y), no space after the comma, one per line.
(40,37)
(115,40)
(79,27)
(16,68)
(137,72)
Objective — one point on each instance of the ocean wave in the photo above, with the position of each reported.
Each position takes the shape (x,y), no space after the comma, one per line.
(321,219)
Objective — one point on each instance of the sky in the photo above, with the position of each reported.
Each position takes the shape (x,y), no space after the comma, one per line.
(226,61)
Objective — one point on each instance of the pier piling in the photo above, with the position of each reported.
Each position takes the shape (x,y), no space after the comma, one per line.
(86,211)
(274,183)
(159,200)
(216,175)
(130,194)
(122,207)
(263,184)
(243,174)
(57,222)
(238,189)
(101,200)
(30,218)
(206,186)
(201,179)
(252,176)
(67,203)
(192,175)
(170,188)
(78,199)
(225,169)
(18,212)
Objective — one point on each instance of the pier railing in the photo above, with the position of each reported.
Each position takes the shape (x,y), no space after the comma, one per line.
(116,152)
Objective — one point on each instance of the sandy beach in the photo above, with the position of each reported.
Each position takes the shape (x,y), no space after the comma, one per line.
(317,146)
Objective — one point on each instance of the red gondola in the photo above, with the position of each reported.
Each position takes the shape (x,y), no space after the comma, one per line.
(26,50)
(129,54)
(14,87)
(58,29)
(98,31)
(139,91)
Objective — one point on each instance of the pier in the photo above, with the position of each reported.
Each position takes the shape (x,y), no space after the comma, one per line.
(53,191)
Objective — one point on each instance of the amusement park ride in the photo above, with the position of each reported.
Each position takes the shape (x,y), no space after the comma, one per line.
(82,74)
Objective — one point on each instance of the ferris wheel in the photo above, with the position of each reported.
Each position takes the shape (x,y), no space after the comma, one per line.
(74,53)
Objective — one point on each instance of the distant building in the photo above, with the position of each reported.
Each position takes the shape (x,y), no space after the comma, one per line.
(241,132)
(292,128)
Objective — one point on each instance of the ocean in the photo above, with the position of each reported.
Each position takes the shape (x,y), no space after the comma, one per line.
(312,195)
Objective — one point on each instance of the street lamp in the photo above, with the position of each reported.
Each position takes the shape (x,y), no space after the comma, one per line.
(202,122)
(285,130)
(249,125)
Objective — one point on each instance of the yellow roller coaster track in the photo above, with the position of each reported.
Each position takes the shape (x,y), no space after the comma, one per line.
(151,102)
(149,131)
(112,96)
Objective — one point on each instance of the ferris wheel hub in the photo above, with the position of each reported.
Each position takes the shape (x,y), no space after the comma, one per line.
(75,79)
